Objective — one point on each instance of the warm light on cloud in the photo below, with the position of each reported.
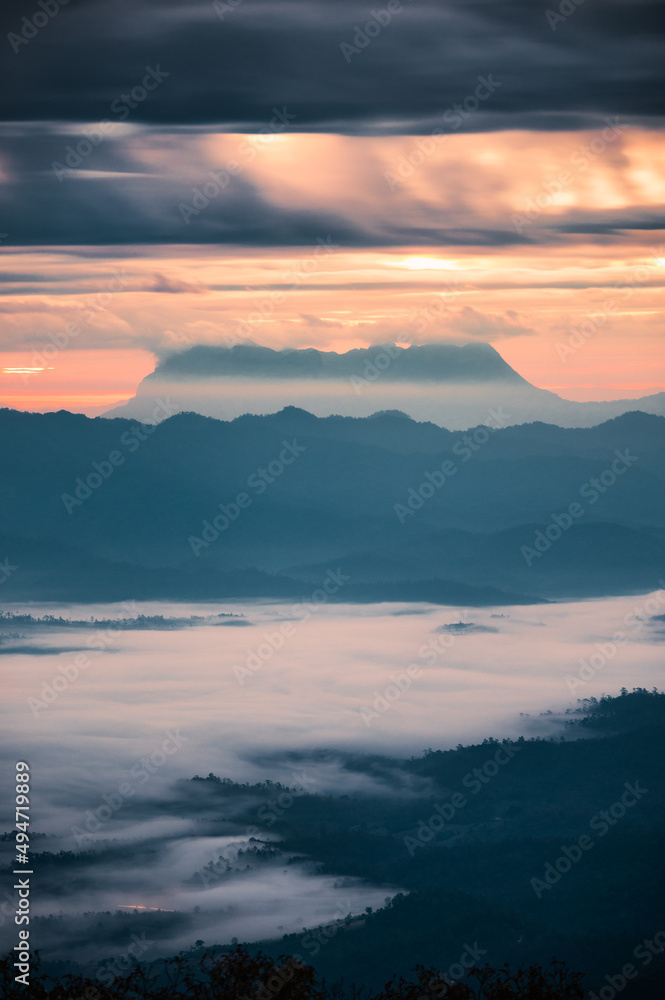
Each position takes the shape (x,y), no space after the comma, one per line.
(24,371)
(427,264)
(522,300)
(337,242)
(137,906)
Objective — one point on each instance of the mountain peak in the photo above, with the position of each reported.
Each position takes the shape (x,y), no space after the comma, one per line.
(446,363)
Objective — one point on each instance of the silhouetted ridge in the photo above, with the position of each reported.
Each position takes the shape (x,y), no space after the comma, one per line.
(408,511)
(430,362)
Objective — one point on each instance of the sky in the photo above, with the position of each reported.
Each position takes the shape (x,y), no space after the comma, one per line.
(304,173)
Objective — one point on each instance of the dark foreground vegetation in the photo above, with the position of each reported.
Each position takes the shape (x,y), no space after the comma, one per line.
(241,976)
(502,852)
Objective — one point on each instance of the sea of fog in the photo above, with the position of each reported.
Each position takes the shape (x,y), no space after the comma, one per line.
(456,406)
(261,696)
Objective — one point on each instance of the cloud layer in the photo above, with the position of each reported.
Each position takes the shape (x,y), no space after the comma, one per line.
(232,64)
(77,185)
(208,149)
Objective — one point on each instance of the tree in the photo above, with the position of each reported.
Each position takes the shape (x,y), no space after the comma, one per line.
(238,975)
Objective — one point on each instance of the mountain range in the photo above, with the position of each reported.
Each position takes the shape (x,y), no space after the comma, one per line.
(454,386)
(270,505)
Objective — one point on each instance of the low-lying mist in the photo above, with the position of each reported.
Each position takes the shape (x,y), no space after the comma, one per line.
(323,699)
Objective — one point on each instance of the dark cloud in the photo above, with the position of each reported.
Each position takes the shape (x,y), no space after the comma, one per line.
(142,186)
(110,197)
(605,58)
(266,58)
(615,226)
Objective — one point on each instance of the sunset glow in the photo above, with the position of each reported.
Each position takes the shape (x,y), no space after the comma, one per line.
(525,288)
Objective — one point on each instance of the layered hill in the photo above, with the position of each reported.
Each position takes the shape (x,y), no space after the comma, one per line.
(453,386)
(266,506)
